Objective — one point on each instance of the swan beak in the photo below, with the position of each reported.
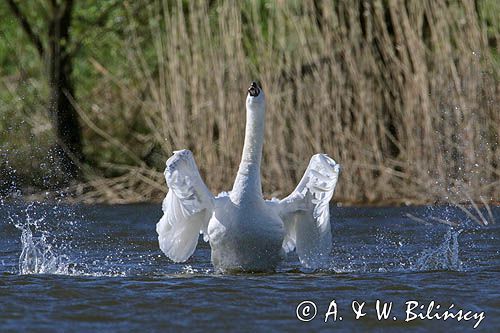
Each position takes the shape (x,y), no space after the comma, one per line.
(254,90)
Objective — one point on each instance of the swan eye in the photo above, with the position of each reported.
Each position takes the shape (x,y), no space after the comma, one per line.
(254,90)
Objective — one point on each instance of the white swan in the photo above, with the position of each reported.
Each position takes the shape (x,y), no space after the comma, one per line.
(246,232)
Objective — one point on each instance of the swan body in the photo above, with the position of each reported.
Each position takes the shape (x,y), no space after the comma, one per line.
(246,232)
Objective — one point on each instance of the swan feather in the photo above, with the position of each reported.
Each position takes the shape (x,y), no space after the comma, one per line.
(306,212)
(187,207)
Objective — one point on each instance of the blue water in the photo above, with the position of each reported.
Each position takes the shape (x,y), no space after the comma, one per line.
(98,268)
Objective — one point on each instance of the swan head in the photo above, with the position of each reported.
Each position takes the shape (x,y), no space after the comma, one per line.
(255,96)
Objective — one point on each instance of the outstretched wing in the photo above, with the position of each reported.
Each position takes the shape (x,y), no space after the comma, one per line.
(187,207)
(306,212)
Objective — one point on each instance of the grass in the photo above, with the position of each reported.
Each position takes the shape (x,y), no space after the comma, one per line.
(404,95)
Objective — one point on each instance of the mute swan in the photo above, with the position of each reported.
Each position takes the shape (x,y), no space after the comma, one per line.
(246,232)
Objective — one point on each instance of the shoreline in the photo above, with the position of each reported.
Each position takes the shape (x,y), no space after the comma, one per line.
(69,197)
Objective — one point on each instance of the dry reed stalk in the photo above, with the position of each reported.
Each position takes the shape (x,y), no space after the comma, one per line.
(402,93)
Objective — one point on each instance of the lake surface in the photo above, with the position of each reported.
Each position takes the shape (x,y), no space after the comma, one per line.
(99,268)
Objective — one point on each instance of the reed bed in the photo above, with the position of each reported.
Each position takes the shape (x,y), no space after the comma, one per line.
(403,94)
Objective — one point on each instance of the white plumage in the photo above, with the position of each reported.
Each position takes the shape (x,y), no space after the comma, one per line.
(246,232)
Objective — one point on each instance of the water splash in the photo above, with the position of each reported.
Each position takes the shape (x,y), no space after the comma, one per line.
(38,256)
(190,270)
(42,254)
(51,243)
(444,257)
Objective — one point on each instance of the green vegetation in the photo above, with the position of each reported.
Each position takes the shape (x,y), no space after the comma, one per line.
(403,94)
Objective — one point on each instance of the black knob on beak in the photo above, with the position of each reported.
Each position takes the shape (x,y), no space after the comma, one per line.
(254,90)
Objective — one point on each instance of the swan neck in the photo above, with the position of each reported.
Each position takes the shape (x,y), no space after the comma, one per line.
(248,184)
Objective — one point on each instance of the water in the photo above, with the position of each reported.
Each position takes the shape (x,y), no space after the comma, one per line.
(98,268)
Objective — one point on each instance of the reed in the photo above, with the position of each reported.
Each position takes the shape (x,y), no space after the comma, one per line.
(403,94)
